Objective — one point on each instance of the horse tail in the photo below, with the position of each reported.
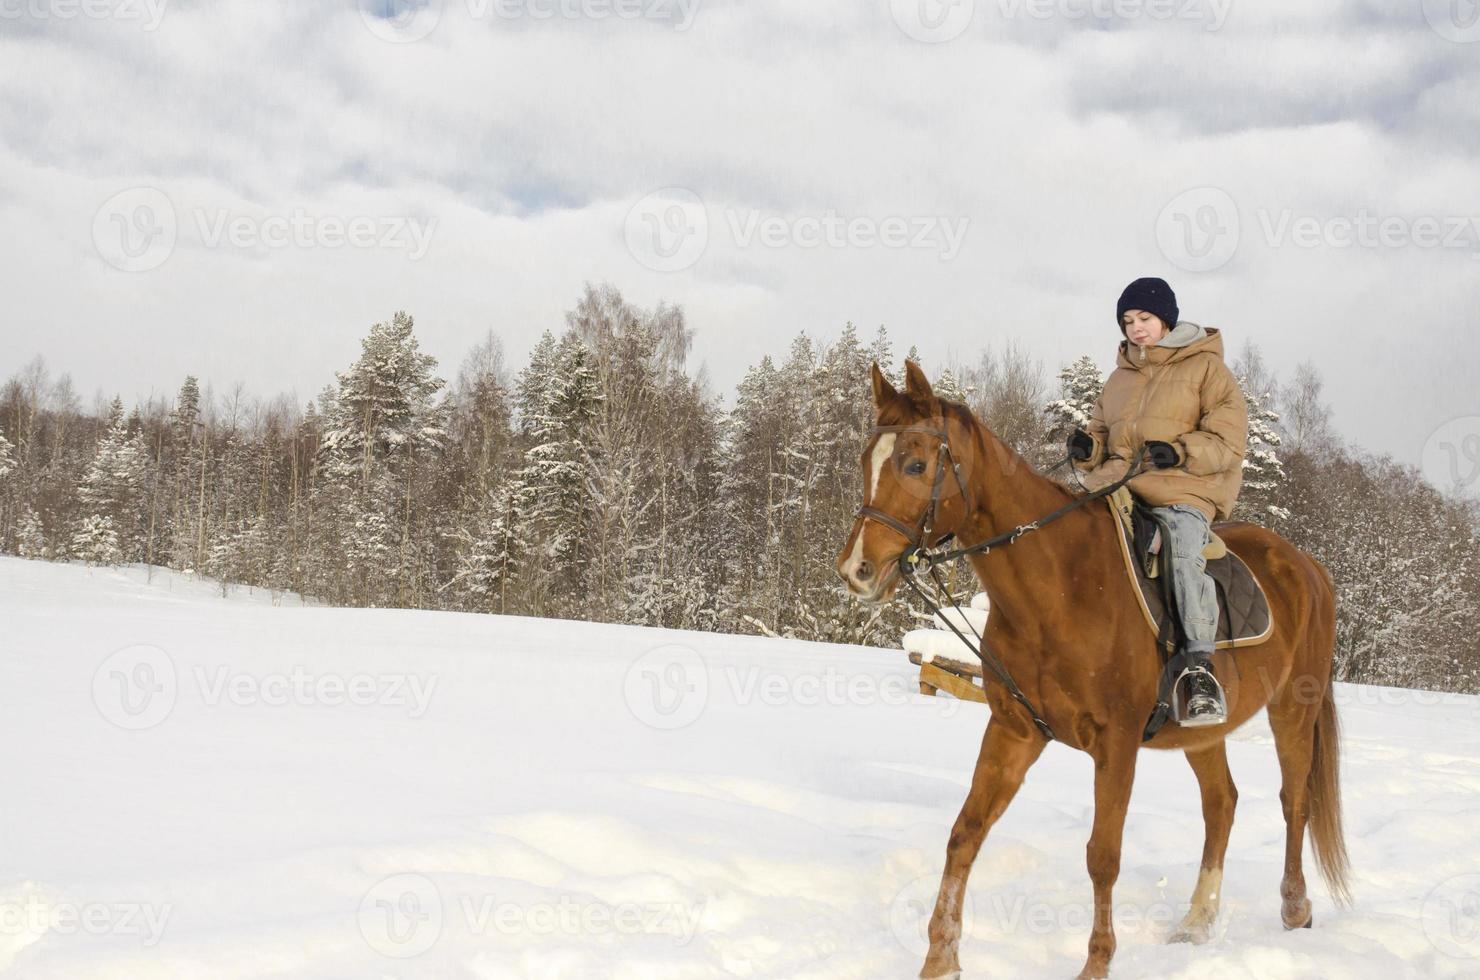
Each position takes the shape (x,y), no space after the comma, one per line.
(1323,785)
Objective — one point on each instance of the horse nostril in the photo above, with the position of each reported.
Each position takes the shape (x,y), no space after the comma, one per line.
(864,572)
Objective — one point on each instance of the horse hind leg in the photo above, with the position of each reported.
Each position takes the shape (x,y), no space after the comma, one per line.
(1219,797)
(1293,725)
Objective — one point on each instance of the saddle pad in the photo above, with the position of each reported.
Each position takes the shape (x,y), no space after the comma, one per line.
(1243,610)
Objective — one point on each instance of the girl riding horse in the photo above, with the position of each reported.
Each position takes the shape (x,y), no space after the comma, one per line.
(1172,392)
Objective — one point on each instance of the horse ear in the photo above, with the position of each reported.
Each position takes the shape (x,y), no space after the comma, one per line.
(916,385)
(884,392)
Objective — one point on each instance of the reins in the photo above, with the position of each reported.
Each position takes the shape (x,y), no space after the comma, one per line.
(917,555)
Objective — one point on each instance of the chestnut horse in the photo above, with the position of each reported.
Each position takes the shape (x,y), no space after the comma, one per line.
(1066,625)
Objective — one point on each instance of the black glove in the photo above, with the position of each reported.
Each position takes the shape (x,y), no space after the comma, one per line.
(1163,454)
(1081,446)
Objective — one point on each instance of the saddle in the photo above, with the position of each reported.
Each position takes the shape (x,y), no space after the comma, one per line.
(1244,618)
(1243,610)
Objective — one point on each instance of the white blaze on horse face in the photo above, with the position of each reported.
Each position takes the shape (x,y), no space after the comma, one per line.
(883,449)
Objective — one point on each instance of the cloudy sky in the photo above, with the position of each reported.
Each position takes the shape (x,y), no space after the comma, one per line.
(238,188)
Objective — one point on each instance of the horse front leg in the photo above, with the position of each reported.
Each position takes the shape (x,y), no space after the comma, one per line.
(1115,771)
(1000,767)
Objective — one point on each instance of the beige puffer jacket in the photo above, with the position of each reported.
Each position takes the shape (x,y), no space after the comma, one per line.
(1179,391)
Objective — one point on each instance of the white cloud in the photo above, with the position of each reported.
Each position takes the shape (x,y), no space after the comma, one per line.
(1056,142)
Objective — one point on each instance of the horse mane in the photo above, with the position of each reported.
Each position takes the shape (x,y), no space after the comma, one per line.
(990,445)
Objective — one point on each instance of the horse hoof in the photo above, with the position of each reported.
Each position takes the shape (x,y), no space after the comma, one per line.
(1196,935)
(1310,921)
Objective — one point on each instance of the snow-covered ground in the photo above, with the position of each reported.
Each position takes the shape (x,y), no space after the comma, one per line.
(205,787)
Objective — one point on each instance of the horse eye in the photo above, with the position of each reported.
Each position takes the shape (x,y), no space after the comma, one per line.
(914,468)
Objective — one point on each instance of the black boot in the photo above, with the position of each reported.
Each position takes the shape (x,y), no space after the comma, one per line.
(1201,697)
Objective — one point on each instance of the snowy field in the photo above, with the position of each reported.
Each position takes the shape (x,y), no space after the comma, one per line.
(208,787)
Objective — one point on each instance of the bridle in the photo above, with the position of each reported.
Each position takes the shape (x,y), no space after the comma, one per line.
(919,535)
(917,555)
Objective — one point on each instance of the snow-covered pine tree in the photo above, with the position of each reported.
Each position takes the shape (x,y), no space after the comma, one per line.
(30,536)
(1080,385)
(557,399)
(1262,496)
(383,419)
(113,488)
(96,541)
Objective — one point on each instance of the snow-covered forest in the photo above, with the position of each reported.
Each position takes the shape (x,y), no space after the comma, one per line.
(604,480)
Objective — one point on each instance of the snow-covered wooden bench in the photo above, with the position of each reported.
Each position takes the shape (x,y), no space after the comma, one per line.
(943,659)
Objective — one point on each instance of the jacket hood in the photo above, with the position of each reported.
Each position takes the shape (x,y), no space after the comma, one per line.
(1183,340)
(1183,334)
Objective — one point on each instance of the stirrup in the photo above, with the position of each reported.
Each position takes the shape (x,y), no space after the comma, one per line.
(1179,707)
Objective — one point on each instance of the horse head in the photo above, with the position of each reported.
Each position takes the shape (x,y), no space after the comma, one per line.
(916,493)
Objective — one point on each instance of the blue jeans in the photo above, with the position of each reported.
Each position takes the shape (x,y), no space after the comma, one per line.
(1197,594)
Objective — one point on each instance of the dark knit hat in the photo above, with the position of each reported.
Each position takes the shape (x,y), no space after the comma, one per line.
(1152,295)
